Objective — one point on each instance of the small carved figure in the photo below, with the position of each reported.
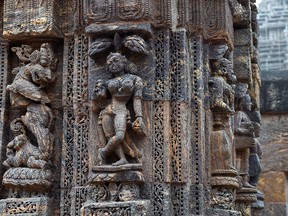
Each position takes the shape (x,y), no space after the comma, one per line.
(21,153)
(31,78)
(244,136)
(255,167)
(221,85)
(115,118)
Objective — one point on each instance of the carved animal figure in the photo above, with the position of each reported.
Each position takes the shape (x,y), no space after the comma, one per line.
(21,153)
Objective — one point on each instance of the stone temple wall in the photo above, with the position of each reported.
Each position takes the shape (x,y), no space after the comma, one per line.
(129,107)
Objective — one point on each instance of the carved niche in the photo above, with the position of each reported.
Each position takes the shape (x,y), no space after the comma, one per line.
(112,11)
(221,83)
(117,129)
(244,140)
(29,153)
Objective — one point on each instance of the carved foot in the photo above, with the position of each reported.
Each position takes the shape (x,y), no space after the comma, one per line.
(6,164)
(120,162)
(100,156)
(247,185)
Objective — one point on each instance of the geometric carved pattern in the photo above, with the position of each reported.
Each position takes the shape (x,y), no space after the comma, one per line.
(162,12)
(178,63)
(3,71)
(80,99)
(196,127)
(177,142)
(178,87)
(178,196)
(158,199)
(161,47)
(119,211)
(80,197)
(68,126)
(158,155)
(112,11)
(182,8)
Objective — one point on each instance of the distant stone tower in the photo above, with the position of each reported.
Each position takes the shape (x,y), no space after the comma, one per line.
(273,19)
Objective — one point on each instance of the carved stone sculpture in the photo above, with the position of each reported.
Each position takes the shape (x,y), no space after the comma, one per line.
(255,151)
(31,79)
(244,136)
(116,118)
(21,153)
(27,92)
(221,85)
(244,140)
(221,91)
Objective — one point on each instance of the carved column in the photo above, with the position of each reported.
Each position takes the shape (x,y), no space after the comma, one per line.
(247,75)
(222,81)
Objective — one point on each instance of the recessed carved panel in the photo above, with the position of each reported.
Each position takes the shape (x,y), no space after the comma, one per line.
(112,11)
(29,18)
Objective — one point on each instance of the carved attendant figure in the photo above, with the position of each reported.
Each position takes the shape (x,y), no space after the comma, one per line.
(244,136)
(115,118)
(221,85)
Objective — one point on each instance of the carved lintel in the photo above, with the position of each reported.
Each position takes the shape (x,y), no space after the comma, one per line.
(30,18)
(136,208)
(144,28)
(106,11)
(23,177)
(24,206)
(218,23)
(118,176)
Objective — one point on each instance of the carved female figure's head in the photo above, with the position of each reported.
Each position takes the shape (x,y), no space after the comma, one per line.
(245,103)
(222,66)
(116,63)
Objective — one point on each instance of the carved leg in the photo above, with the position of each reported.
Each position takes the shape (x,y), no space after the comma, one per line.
(113,143)
(245,167)
(34,163)
(120,153)
(120,124)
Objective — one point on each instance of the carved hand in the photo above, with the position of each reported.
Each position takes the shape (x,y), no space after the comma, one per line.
(138,125)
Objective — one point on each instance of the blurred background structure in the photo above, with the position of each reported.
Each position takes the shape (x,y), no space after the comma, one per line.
(273,48)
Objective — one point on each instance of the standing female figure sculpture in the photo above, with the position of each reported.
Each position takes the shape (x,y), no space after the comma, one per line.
(115,118)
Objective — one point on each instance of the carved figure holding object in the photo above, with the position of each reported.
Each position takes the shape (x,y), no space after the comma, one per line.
(115,117)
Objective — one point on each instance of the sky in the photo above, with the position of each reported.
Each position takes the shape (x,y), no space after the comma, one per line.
(258,1)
